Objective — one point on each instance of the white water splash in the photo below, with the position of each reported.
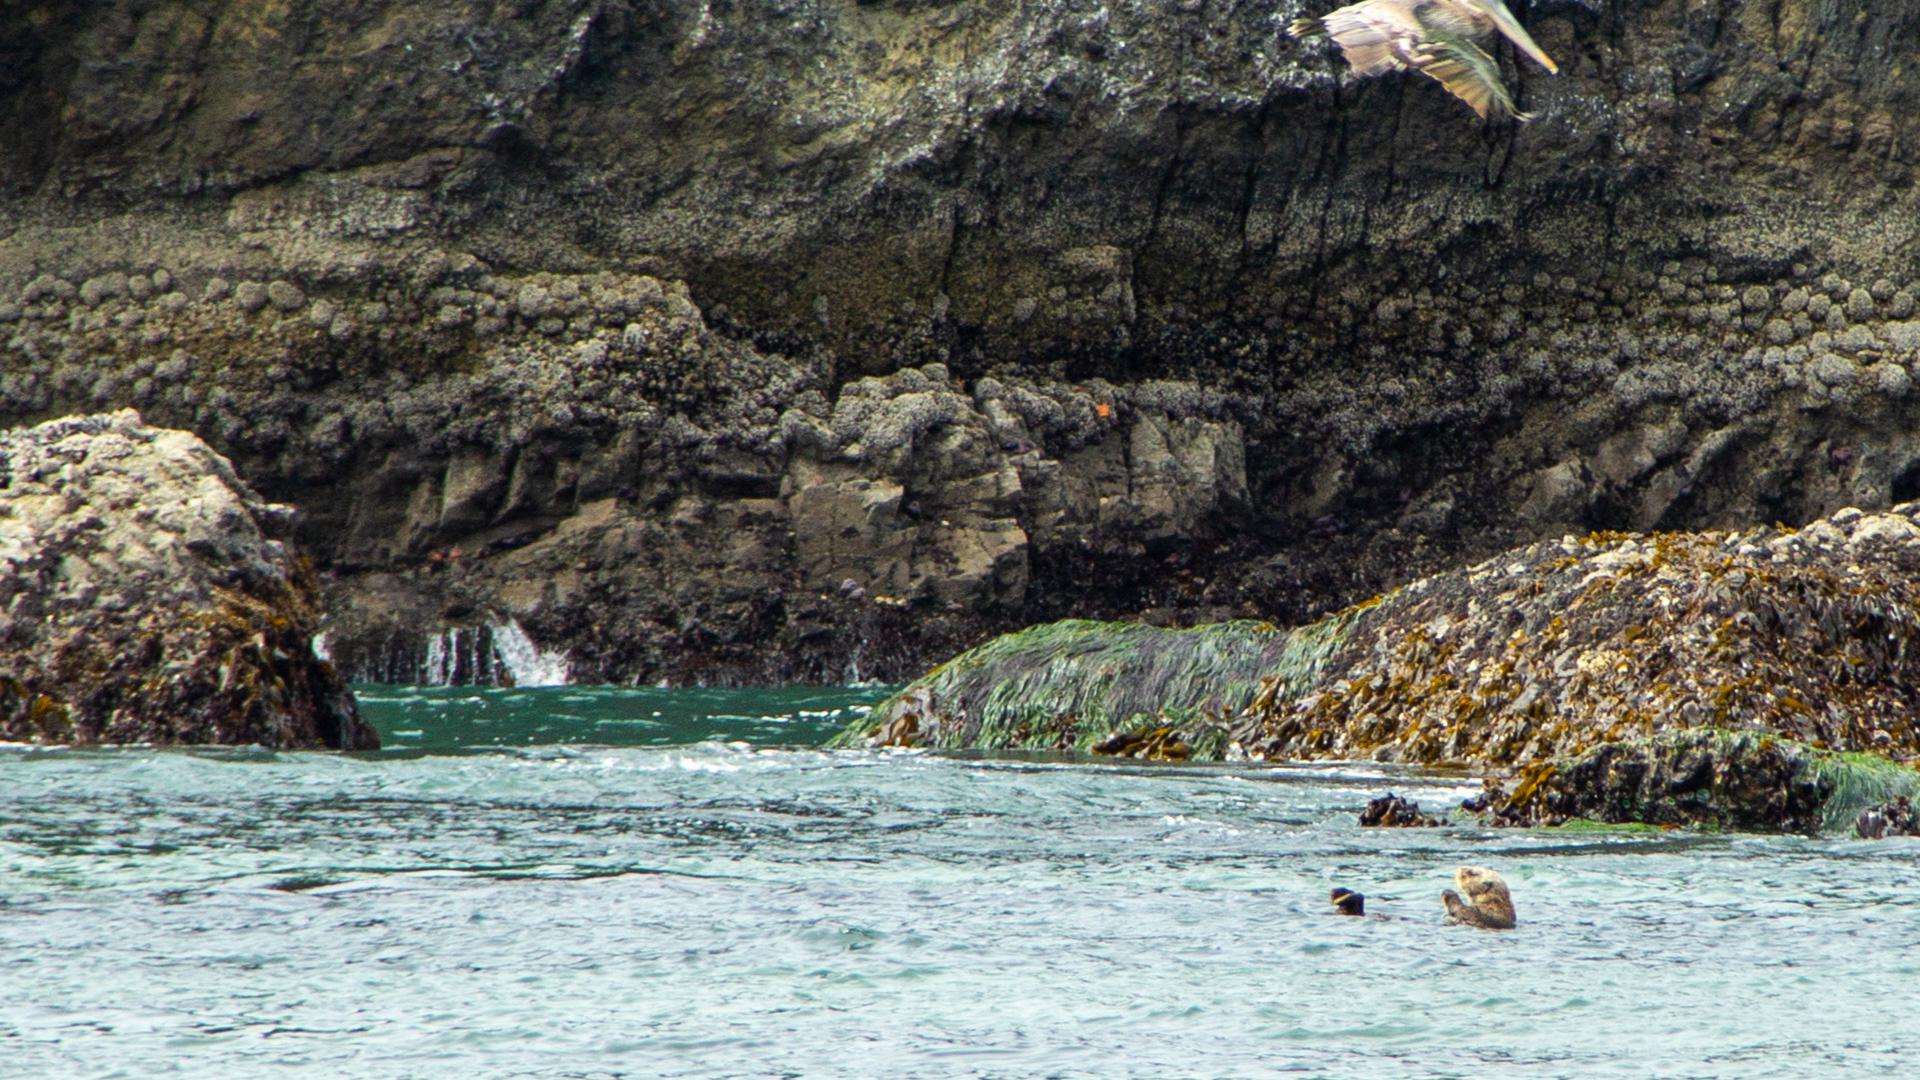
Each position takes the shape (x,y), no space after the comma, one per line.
(529,664)
(438,670)
(454,655)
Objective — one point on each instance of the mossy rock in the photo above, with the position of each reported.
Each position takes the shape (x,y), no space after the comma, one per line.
(1069,685)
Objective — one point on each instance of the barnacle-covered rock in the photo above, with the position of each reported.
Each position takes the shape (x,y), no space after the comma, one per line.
(1540,653)
(148,595)
(1707,777)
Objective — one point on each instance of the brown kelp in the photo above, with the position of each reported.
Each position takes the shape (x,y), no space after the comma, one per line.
(1544,652)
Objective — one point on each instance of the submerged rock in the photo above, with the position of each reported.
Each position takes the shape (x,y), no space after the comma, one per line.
(148,595)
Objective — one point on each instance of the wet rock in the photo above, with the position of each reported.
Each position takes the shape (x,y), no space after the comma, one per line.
(1895,818)
(285,296)
(97,290)
(250,295)
(1553,648)
(1392,811)
(1755,680)
(150,596)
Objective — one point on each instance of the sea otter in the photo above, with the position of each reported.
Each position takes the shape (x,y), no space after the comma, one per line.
(1490,907)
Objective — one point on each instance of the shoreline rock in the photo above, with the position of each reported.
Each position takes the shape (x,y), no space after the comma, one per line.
(147,595)
(1709,778)
(1762,679)
(1810,634)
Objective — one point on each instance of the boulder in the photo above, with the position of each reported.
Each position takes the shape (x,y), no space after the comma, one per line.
(147,595)
(1759,679)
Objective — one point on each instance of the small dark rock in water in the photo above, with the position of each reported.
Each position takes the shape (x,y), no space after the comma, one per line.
(1893,818)
(1392,811)
(1348,902)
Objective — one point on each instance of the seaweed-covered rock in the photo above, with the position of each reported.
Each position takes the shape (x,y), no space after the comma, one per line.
(148,595)
(1536,655)
(1103,687)
(1765,679)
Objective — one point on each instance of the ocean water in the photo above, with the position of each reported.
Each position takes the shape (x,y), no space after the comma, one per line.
(593,883)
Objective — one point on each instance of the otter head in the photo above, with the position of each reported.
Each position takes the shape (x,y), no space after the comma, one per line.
(1478,882)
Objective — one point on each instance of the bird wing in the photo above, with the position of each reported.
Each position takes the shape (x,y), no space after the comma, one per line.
(1511,29)
(1376,36)
(1469,74)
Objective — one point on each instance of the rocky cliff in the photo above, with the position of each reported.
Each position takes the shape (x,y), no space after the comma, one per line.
(794,339)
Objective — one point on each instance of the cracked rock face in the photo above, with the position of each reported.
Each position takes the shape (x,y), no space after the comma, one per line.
(147,595)
(566,312)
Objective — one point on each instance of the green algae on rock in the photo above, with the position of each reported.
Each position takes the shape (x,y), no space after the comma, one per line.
(1075,683)
(148,595)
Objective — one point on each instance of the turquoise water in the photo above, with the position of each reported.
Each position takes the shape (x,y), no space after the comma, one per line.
(698,902)
(443,719)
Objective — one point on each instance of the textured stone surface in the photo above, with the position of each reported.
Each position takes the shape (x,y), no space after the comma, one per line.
(1545,651)
(1262,340)
(1763,679)
(147,595)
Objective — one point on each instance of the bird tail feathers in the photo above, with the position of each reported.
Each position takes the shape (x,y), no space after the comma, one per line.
(1306,28)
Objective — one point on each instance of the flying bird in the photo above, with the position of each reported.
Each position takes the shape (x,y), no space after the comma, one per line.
(1439,38)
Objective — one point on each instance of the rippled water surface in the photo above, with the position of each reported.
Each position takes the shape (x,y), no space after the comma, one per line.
(487,905)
